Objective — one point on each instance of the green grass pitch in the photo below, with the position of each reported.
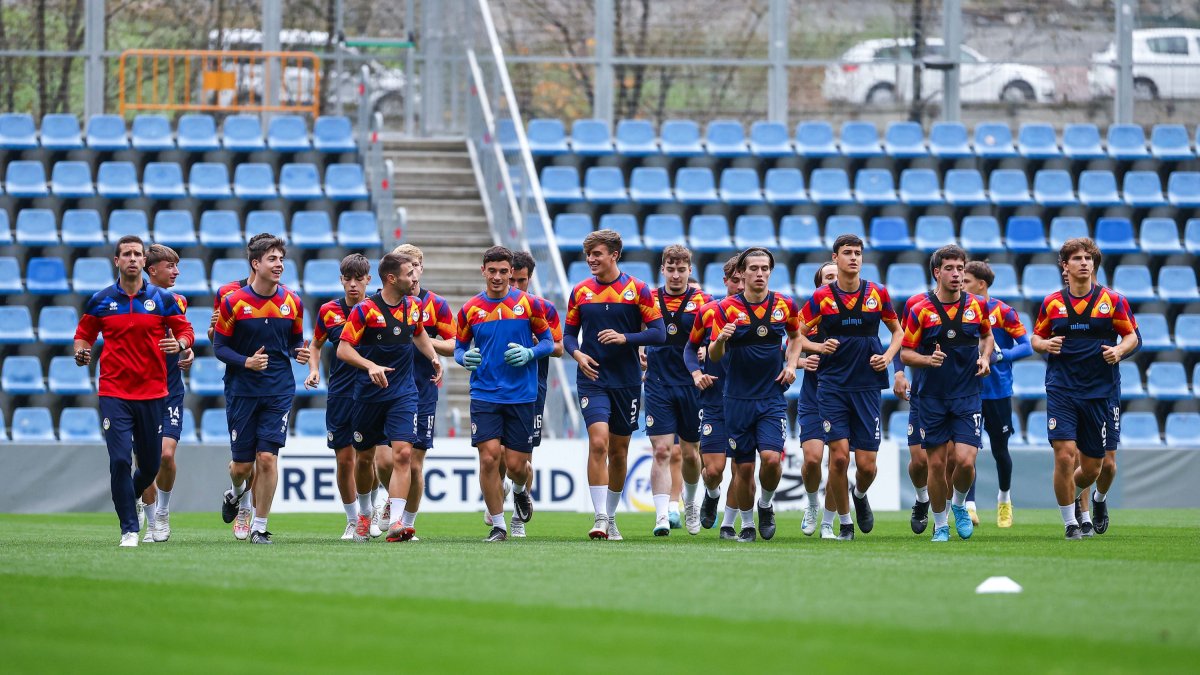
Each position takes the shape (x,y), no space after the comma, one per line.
(71,601)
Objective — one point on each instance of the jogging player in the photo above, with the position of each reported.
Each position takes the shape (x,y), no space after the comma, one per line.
(808,418)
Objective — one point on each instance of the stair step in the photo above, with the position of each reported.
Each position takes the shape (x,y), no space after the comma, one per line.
(424,145)
(456,208)
(405,192)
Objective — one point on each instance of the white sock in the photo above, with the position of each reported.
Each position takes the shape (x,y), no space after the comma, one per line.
(812,500)
(714,493)
(764,501)
(857,494)
(960,498)
(923,494)
(844,518)
(730,517)
(245,492)
(940,519)
(689,492)
(661,503)
(409,518)
(748,518)
(827,517)
(614,500)
(1004,496)
(497,521)
(259,525)
(518,489)
(364,503)
(1097,496)
(1086,516)
(970,505)
(164,501)
(151,512)
(397,509)
(1068,514)
(351,511)
(599,493)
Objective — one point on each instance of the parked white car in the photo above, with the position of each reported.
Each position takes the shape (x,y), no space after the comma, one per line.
(879,72)
(1166,64)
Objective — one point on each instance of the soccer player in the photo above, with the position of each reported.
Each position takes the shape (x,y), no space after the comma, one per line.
(672,405)
(339,407)
(947,333)
(1078,328)
(918,459)
(259,330)
(808,418)
(750,327)
(852,372)
(231,286)
(378,339)
(496,331)
(1011,344)
(614,314)
(134,317)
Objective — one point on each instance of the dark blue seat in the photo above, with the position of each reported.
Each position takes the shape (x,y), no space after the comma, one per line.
(860,139)
(1127,141)
(1052,187)
(695,186)
(949,140)
(299,182)
(208,181)
(740,187)
(17,132)
(751,231)
(220,229)
(1132,388)
(268,221)
(1029,379)
(1039,280)
(890,234)
(919,187)
(25,178)
(192,280)
(288,133)
(32,425)
(117,180)
(1191,236)
(1098,189)
(61,132)
(310,423)
(663,230)
(981,234)
(16,326)
(1183,189)
(92,275)
(770,139)
(1140,430)
(964,187)
(1082,142)
(726,138)
(106,133)
(225,270)
(67,379)
(604,185)
(1159,236)
(1156,335)
(635,138)
(815,139)
(680,138)
(79,425)
(570,229)
(560,185)
(1063,228)
(709,234)
(44,276)
(589,138)
(1026,234)
(152,133)
(22,375)
(626,226)
(547,137)
(1187,333)
(312,230)
(333,133)
(905,280)
(1115,235)
(1183,429)
(254,181)
(164,180)
(800,234)
(1167,381)
(322,278)
(358,229)
(934,232)
(1170,143)
(1008,187)
(174,228)
(874,187)
(123,222)
(650,185)
(214,426)
(784,187)
(71,180)
(345,182)
(830,187)
(1133,281)
(1038,141)
(36,227)
(1177,283)
(836,226)
(206,377)
(905,140)
(1142,189)
(994,140)
(242,133)
(81,228)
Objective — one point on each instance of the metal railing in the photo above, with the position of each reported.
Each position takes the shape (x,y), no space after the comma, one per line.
(380,174)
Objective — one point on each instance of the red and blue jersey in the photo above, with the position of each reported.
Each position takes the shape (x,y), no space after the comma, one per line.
(1006,330)
(383,334)
(331,320)
(438,320)
(1088,324)
(702,330)
(556,334)
(623,305)
(491,324)
(132,365)
(247,321)
(664,363)
(957,328)
(755,352)
(174,374)
(853,319)
(228,288)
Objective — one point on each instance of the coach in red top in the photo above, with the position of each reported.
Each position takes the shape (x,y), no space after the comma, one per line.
(140,323)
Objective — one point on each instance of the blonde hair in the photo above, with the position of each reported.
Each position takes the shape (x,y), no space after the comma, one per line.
(410,251)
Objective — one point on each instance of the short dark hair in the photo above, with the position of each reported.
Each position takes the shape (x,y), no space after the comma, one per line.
(821,272)
(1072,246)
(354,266)
(730,267)
(523,260)
(847,240)
(676,253)
(392,263)
(128,239)
(608,238)
(498,254)
(750,253)
(160,253)
(260,244)
(981,271)
(950,252)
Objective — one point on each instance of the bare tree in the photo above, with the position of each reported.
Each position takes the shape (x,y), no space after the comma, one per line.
(39,30)
(10,91)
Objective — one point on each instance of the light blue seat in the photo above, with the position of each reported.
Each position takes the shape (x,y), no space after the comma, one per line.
(590,138)
(1038,141)
(254,181)
(695,186)
(709,234)
(197,133)
(288,133)
(269,221)
(1177,283)
(358,229)
(904,140)
(193,279)
(32,425)
(300,182)
(751,231)
(106,133)
(784,187)
(1132,388)
(45,276)
(800,234)
(803,285)
(890,234)
(780,280)
(1127,141)
(174,228)
(836,226)
(870,272)
(897,430)
(1005,286)
(16,326)
(24,178)
(1115,235)
(333,133)
(1039,280)
(905,280)
(310,423)
(860,139)
(1183,430)
(10,276)
(934,232)
(830,187)
(1167,381)
(661,231)
(125,222)
(506,136)
(569,231)
(117,180)
(208,181)
(92,275)
(1170,143)
(1142,189)
(345,182)
(36,227)
(1026,234)
(650,185)
(713,281)
(322,278)
(949,140)
(560,185)
(815,139)
(726,138)
(242,133)
(1082,142)
(994,140)
(604,185)
(919,187)
(312,230)
(1156,335)
(207,375)
(1159,236)
(739,187)
(1063,228)
(152,133)
(200,316)
(1133,281)
(547,137)
(1098,189)
(1191,236)
(214,426)
(639,270)
(22,376)
(770,139)
(1052,187)
(680,138)
(1187,333)
(635,138)
(874,187)
(17,132)
(981,234)
(79,425)
(1183,189)
(71,180)
(1140,430)
(6,234)
(1029,379)
(67,379)
(61,132)
(220,229)
(577,271)
(290,278)
(626,226)
(1008,187)
(964,187)
(164,180)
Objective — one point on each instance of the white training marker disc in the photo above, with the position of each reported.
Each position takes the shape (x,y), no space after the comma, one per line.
(998,585)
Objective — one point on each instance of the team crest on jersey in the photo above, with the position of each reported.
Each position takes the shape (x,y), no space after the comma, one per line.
(357,437)
(107,424)
(1052,423)
(329,436)
(1104,308)
(396,330)
(732,444)
(672,329)
(777,315)
(910,430)
(149,305)
(285,310)
(872,303)
(583,402)
(706,429)
(969,315)
(628,295)
(690,307)
(762,331)
(827,426)
(951,333)
(649,420)
(424,316)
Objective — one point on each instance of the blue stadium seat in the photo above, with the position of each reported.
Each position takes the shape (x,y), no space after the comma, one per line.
(635,138)
(726,138)
(1132,388)
(569,230)
(964,187)
(322,278)
(1063,228)
(713,280)
(835,226)
(67,379)
(547,137)
(662,230)
(300,182)
(784,187)
(1177,283)
(577,271)
(830,187)
(197,133)
(1026,234)
(164,180)
(1098,189)
(1029,379)
(1009,187)
(506,136)
(151,133)
(1005,286)
(755,231)
(981,234)
(16,326)
(79,425)
(358,229)
(17,132)
(800,234)
(1082,141)
(1127,141)
(695,186)
(604,185)
(25,178)
(310,423)
(860,139)
(333,133)
(1183,189)
(1191,236)
(589,138)
(300,373)
(1143,189)
(6,235)
(1039,280)
(36,227)
(1115,236)
(220,229)
(815,139)
(92,275)
(269,221)
(934,232)
(1183,430)
(1170,142)
(288,133)
(71,180)
(22,375)
(919,187)
(560,185)
(225,270)
(1052,187)
(890,234)
(117,180)
(242,133)
(680,138)
(1133,281)
(905,280)
(1159,236)
(904,140)
(803,285)
(106,133)
(10,276)
(897,429)
(994,140)
(874,187)
(214,427)
(770,139)
(1167,381)
(650,185)
(345,182)
(193,277)
(254,181)
(639,270)
(174,228)
(56,325)
(61,132)
(626,226)
(1140,430)
(46,276)
(1038,141)
(124,222)
(709,234)
(312,230)
(870,272)
(206,377)
(949,140)
(32,425)
(209,180)
(780,280)
(1156,335)
(1187,333)
(739,187)
(199,315)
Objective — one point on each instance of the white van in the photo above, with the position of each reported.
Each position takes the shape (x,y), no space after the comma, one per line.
(1166,64)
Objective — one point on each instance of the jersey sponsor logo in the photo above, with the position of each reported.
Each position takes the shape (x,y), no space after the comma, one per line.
(707,430)
(628,295)
(583,402)
(743,318)
(519,310)
(872,303)
(649,420)
(285,310)
(969,315)
(777,315)
(358,437)
(1052,423)
(149,305)
(107,424)
(247,310)
(588,295)
(1062,311)
(762,331)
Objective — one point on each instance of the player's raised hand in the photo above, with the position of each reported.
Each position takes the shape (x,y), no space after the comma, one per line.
(378,375)
(786,376)
(878,363)
(829,346)
(1111,356)
(472,358)
(313,380)
(726,332)
(83,357)
(609,336)
(258,362)
(1054,344)
(587,365)
(303,353)
(703,380)
(437,372)
(169,345)
(187,359)
(810,362)
(938,357)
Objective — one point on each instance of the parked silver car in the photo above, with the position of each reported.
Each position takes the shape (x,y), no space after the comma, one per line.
(1166,64)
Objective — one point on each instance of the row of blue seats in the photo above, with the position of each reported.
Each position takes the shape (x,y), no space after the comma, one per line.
(196,133)
(218,228)
(947,140)
(206,180)
(871,187)
(1140,430)
(710,233)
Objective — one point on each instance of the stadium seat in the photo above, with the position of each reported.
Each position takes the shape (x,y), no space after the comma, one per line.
(333,133)
(800,234)
(117,180)
(106,133)
(994,140)
(358,229)
(1052,187)
(639,270)
(56,325)
(300,373)
(635,138)
(904,140)
(577,271)
(905,280)
(1039,280)
(288,133)
(569,230)
(1008,187)
(16,326)
(220,229)
(1005,286)
(1038,141)
(164,180)
(197,133)
(79,425)
(17,132)
(709,234)
(92,275)
(890,234)
(1127,141)
(626,226)
(547,137)
(784,187)
(662,230)
(242,133)
(206,376)
(199,315)
(726,138)
(209,180)
(680,138)
(713,280)
(1132,388)
(1183,189)
(151,133)
(1183,430)
(815,139)
(859,139)
(506,136)
(835,226)
(254,181)
(214,427)
(1170,143)
(897,430)
(46,276)
(870,272)
(755,231)
(560,185)
(1140,430)
(193,278)
(123,222)
(1191,236)
(604,185)
(345,183)
(71,180)
(300,182)
(1029,379)
(1063,228)
(803,277)
(934,232)
(694,186)
(739,187)
(1159,236)
(1156,336)
(32,425)
(1115,236)
(36,227)
(67,379)
(981,234)
(770,139)
(1026,234)
(1133,281)
(874,187)
(780,280)
(830,187)
(1082,142)
(322,278)
(1143,189)
(964,187)
(61,132)
(25,178)
(22,376)
(174,228)
(1187,333)
(919,187)
(270,222)
(312,230)
(6,235)
(1098,189)
(310,423)
(225,270)
(10,276)
(650,185)
(949,140)
(1177,283)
